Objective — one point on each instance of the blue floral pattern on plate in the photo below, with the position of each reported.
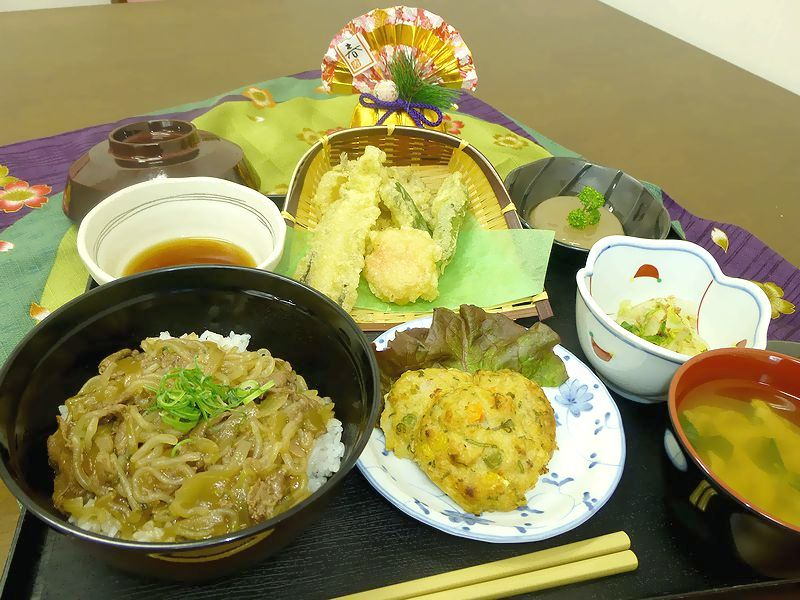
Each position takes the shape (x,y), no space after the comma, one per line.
(575,395)
(581,477)
(455,516)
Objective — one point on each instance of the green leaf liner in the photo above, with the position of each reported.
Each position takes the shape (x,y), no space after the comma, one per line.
(513,261)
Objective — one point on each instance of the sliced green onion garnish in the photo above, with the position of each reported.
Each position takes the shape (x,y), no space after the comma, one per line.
(184,397)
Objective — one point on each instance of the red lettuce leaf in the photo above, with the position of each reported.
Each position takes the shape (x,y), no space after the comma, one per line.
(473,340)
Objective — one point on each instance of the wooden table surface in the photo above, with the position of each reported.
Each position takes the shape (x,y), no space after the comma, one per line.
(723,142)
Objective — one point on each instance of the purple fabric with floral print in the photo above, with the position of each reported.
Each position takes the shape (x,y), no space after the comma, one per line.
(749,258)
(44,162)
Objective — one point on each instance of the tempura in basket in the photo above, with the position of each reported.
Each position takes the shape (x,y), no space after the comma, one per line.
(335,258)
(386,222)
(401,265)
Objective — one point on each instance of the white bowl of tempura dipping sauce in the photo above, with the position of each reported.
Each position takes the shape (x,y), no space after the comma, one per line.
(179,221)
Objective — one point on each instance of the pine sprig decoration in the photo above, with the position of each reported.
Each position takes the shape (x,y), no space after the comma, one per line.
(413,87)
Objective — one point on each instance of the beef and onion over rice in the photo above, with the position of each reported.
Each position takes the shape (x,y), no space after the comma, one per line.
(190,438)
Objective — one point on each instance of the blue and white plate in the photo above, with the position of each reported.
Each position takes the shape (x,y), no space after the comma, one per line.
(582,475)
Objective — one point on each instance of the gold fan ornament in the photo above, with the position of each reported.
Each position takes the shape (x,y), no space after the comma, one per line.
(406,63)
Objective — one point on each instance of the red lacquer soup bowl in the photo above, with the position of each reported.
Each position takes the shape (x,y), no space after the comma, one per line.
(704,503)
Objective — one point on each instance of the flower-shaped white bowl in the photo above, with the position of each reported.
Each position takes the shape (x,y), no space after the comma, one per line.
(730,312)
(148,213)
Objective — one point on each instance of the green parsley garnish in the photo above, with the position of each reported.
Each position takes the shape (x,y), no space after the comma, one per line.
(589,213)
(184,397)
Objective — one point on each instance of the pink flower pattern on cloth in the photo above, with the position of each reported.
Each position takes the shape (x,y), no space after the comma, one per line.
(48,160)
(19,193)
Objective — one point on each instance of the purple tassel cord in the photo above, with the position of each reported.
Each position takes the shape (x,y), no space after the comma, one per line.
(414,109)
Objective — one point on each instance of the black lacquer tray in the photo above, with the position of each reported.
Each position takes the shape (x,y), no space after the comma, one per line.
(363,542)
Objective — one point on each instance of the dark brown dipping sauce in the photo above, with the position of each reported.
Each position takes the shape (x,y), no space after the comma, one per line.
(189,251)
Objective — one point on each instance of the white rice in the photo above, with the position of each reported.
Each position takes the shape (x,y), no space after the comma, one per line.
(325,456)
(148,533)
(323,461)
(106,526)
(239,341)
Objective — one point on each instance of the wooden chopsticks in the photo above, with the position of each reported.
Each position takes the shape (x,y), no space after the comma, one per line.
(580,561)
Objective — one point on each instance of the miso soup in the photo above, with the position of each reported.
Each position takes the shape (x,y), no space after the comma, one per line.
(748,436)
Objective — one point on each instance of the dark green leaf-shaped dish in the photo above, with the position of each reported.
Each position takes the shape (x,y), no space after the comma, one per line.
(638,210)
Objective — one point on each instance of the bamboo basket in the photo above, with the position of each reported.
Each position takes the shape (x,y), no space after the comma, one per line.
(435,154)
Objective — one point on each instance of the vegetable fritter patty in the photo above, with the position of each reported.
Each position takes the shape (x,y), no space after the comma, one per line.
(484,439)
(409,399)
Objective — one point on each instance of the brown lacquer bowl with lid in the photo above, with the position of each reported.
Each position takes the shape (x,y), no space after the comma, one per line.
(146,150)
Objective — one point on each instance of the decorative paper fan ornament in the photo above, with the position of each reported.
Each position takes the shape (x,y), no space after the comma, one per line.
(364,57)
